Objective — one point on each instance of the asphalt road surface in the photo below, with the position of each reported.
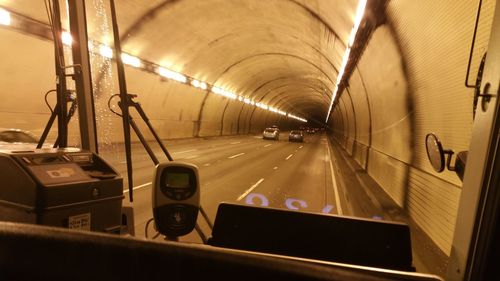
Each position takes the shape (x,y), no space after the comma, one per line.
(239,169)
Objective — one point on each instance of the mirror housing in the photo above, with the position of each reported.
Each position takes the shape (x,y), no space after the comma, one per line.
(437,154)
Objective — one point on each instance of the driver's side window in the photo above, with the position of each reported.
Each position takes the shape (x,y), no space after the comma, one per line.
(6,136)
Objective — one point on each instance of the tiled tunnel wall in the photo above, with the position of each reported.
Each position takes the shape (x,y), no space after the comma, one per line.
(410,82)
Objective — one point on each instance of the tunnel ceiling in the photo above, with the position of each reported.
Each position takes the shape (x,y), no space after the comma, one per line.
(285,53)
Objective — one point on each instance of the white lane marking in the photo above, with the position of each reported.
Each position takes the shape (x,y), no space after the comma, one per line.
(137,187)
(185,151)
(289,156)
(191,157)
(236,155)
(335,188)
(250,189)
(275,168)
(123,162)
(301,146)
(267,145)
(236,142)
(206,165)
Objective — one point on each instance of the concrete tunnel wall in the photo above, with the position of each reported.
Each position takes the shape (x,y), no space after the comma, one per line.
(409,82)
(176,110)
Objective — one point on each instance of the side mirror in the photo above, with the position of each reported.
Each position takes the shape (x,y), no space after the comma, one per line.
(437,154)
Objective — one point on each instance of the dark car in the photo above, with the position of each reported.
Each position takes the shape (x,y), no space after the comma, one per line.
(296,135)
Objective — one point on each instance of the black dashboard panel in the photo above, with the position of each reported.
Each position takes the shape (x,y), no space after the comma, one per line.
(314,236)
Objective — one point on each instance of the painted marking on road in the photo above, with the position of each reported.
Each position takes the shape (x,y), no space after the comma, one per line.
(138,187)
(289,156)
(301,146)
(206,164)
(335,188)
(250,189)
(267,145)
(185,151)
(236,142)
(236,155)
(275,168)
(191,157)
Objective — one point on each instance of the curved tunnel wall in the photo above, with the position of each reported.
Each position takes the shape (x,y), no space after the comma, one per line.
(409,82)
(172,107)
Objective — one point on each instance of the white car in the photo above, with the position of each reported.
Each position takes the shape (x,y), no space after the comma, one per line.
(271,134)
(16,139)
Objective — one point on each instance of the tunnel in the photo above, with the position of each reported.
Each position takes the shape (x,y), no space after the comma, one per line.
(369,79)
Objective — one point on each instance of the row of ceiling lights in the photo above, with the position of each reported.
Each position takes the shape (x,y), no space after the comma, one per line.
(360,11)
(133,61)
(176,76)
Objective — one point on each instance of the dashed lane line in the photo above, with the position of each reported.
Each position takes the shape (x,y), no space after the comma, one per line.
(236,155)
(289,156)
(138,187)
(250,189)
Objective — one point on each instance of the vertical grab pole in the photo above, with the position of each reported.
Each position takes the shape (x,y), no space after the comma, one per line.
(123,99)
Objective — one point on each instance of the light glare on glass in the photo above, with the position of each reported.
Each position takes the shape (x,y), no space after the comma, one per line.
(106,51)
(4,17)
(66,38)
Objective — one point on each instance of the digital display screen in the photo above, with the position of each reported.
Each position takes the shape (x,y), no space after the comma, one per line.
(177,180)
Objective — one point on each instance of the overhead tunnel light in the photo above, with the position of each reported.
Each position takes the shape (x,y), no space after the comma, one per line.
(107,52)
(131,60)
(360,11)
(198,84)
(4,17)
(167,73)
(297,118)
(225,93)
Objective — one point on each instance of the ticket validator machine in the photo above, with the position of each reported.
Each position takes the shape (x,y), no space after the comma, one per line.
(176,198)
(64,188)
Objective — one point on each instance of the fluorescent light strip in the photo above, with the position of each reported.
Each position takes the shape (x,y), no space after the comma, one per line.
(131,60)
(4,17)
(360,11)
(167,73)
(107,52)
(198,84)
